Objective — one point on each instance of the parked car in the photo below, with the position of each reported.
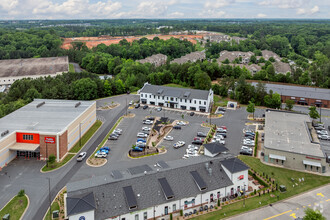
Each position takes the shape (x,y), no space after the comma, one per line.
(219,136)
(221,130)
(250,137)
(81,156)
(245,148)
(142,135)
(131,103)
(246,152)
(218,140)
(117,131)
(324,137)
(151,118)
(114,135)
(102,150)
(159,109)
(113,138)
(101,155)
(148,122)
(319,128)
(141,140)
(145,107)
(168,138)
(201,134)
(192,113)
(222,109)
(146,129)
(198,138)
(179,144)
(322,132)
(177,127)
(106,148)
(222,134)
(141,144)
(137,105)
(197,142)
(139,149)
(224,127)
(181,123)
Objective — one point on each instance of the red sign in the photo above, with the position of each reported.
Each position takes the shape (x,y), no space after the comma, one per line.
(50,140)
(240,177)
(312,158)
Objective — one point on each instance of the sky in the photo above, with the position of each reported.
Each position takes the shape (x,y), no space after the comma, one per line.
(116,9)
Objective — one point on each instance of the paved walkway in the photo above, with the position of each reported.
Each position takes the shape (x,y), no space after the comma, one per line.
(294,207)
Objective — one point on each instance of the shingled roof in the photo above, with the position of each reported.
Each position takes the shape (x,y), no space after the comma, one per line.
(215,148)
(80,203)
(234,165)
(111,200)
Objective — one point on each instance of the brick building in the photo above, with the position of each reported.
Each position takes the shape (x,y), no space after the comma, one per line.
(44,127)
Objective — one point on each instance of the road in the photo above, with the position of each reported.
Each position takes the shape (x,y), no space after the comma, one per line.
(22,174)
(77,68)
(294,207)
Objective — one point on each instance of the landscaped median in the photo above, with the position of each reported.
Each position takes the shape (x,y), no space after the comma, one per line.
(16,207)
(296,182)
(75,149)
(92,161)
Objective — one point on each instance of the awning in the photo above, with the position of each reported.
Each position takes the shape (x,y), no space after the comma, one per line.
(24,147)
(318,103)
(202,107)
(302,101)
(312,163)
(278,157)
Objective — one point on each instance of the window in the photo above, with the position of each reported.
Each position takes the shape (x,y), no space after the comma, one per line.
(204,102)
(200,102)
(176,99)
(28,137)
(190,101)
(171,98)
(305,166)
(185,100)
(174,207)
(154,96)
(282,162)
(180,100)
(311,167)
(195,101)
(146,95)
(123,219)
(317,169)
(149,96)
(145,215)
(136,217)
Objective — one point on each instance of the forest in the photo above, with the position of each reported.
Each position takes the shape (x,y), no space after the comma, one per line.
(306,42)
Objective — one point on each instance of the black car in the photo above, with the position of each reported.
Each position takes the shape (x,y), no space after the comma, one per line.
(223,134)
(128,92)
(145,107)
(250,137)
(151,118)
(137,105)
(113,138)
(201,134)
(192,113)
(222,109)
(197,142)
(177,127)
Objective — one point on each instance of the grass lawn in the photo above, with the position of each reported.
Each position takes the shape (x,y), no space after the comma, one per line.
(282,177)
(15,207)
(71,68)
(56,165)
(55,206)
(86,137)
(175,85)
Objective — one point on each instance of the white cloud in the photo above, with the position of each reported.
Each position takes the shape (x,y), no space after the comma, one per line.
(218,3)
(261,15)
(176,15)
(284,3)
(304,11)
(8,4)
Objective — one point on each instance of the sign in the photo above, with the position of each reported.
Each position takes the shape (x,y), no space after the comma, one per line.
(312,158)
(82,218)
(50,140)
(240,177)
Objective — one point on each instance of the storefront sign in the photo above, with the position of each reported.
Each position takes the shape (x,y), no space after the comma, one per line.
(240,177)
(50,140)
(312,158)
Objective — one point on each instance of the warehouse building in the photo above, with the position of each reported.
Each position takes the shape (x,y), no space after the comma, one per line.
(44,127)
(301,95)
(291,141)
(155,192)
(15,69)
(172,97)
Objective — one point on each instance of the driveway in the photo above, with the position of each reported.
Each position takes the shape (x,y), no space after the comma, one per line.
(294,207)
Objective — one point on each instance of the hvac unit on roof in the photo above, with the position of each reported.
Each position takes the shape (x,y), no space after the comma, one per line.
(4,133)
(40,104)
(77,104)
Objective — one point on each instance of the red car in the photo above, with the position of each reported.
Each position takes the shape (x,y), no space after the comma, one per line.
(198,138)
(224,127)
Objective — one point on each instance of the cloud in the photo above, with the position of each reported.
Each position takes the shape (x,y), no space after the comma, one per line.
(260,15)
(176,15)
(8,4)
(284,3)
(218,3)
(306,11)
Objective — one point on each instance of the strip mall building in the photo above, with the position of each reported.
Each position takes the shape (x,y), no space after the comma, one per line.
(44,127)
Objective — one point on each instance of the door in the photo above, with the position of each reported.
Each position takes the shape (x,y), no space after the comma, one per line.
(166,210)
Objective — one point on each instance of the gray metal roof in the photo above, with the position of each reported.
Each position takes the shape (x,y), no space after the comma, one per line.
(215,148)
(33,66)
(286,131)
(298,91)
(110,197)
(175,92)
(53,116)
(234,165)
(80,203)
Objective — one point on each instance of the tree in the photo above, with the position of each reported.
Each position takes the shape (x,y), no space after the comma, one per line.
(273,100)
(251,108)
(289,104)
(311,214)
(85,89)
(313,113)
(51,158)
(202,81)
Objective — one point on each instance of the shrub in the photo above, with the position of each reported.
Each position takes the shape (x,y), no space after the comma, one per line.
(218,202)
(181,212)
(51,158)
(153,144)
(256,145)
(216,207)
(21,193)
(255,191)
(171,216)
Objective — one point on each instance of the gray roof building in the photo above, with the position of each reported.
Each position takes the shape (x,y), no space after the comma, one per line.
(191,57)
(215,148)
(298,91)
(281,67)
(288,132)
(33,66)
(234,165)
(156,59)
(175,92)
(124,192)
(80,203)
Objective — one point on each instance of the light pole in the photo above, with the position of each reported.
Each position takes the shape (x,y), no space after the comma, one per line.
(320,114)
(50,199)
(244,196)
(80,134)
(126,106)
(47,154)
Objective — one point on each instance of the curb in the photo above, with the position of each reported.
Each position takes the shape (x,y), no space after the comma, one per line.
(27,207)
(95,166)
(52,202)
(72,153)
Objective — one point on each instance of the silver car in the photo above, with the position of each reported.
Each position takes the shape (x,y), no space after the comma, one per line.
(81,156)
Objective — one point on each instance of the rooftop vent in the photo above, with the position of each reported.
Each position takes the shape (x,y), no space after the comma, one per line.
(4,133)
(186,94)
(77,104)
(41,104)
(160,91)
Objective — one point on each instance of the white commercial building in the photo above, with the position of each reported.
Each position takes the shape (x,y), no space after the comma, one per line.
(180,98)
(145,193)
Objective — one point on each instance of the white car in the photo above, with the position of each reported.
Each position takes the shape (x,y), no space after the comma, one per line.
(81,156)
(179,144)
(146,129)
(101,155)
(148,122)
(245,148)
(168,138)
(142,135)
(140,144)
(118,131)
(181,123)
(219,136)
(324,137)
(130,103)
(322,132)
(186,156)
